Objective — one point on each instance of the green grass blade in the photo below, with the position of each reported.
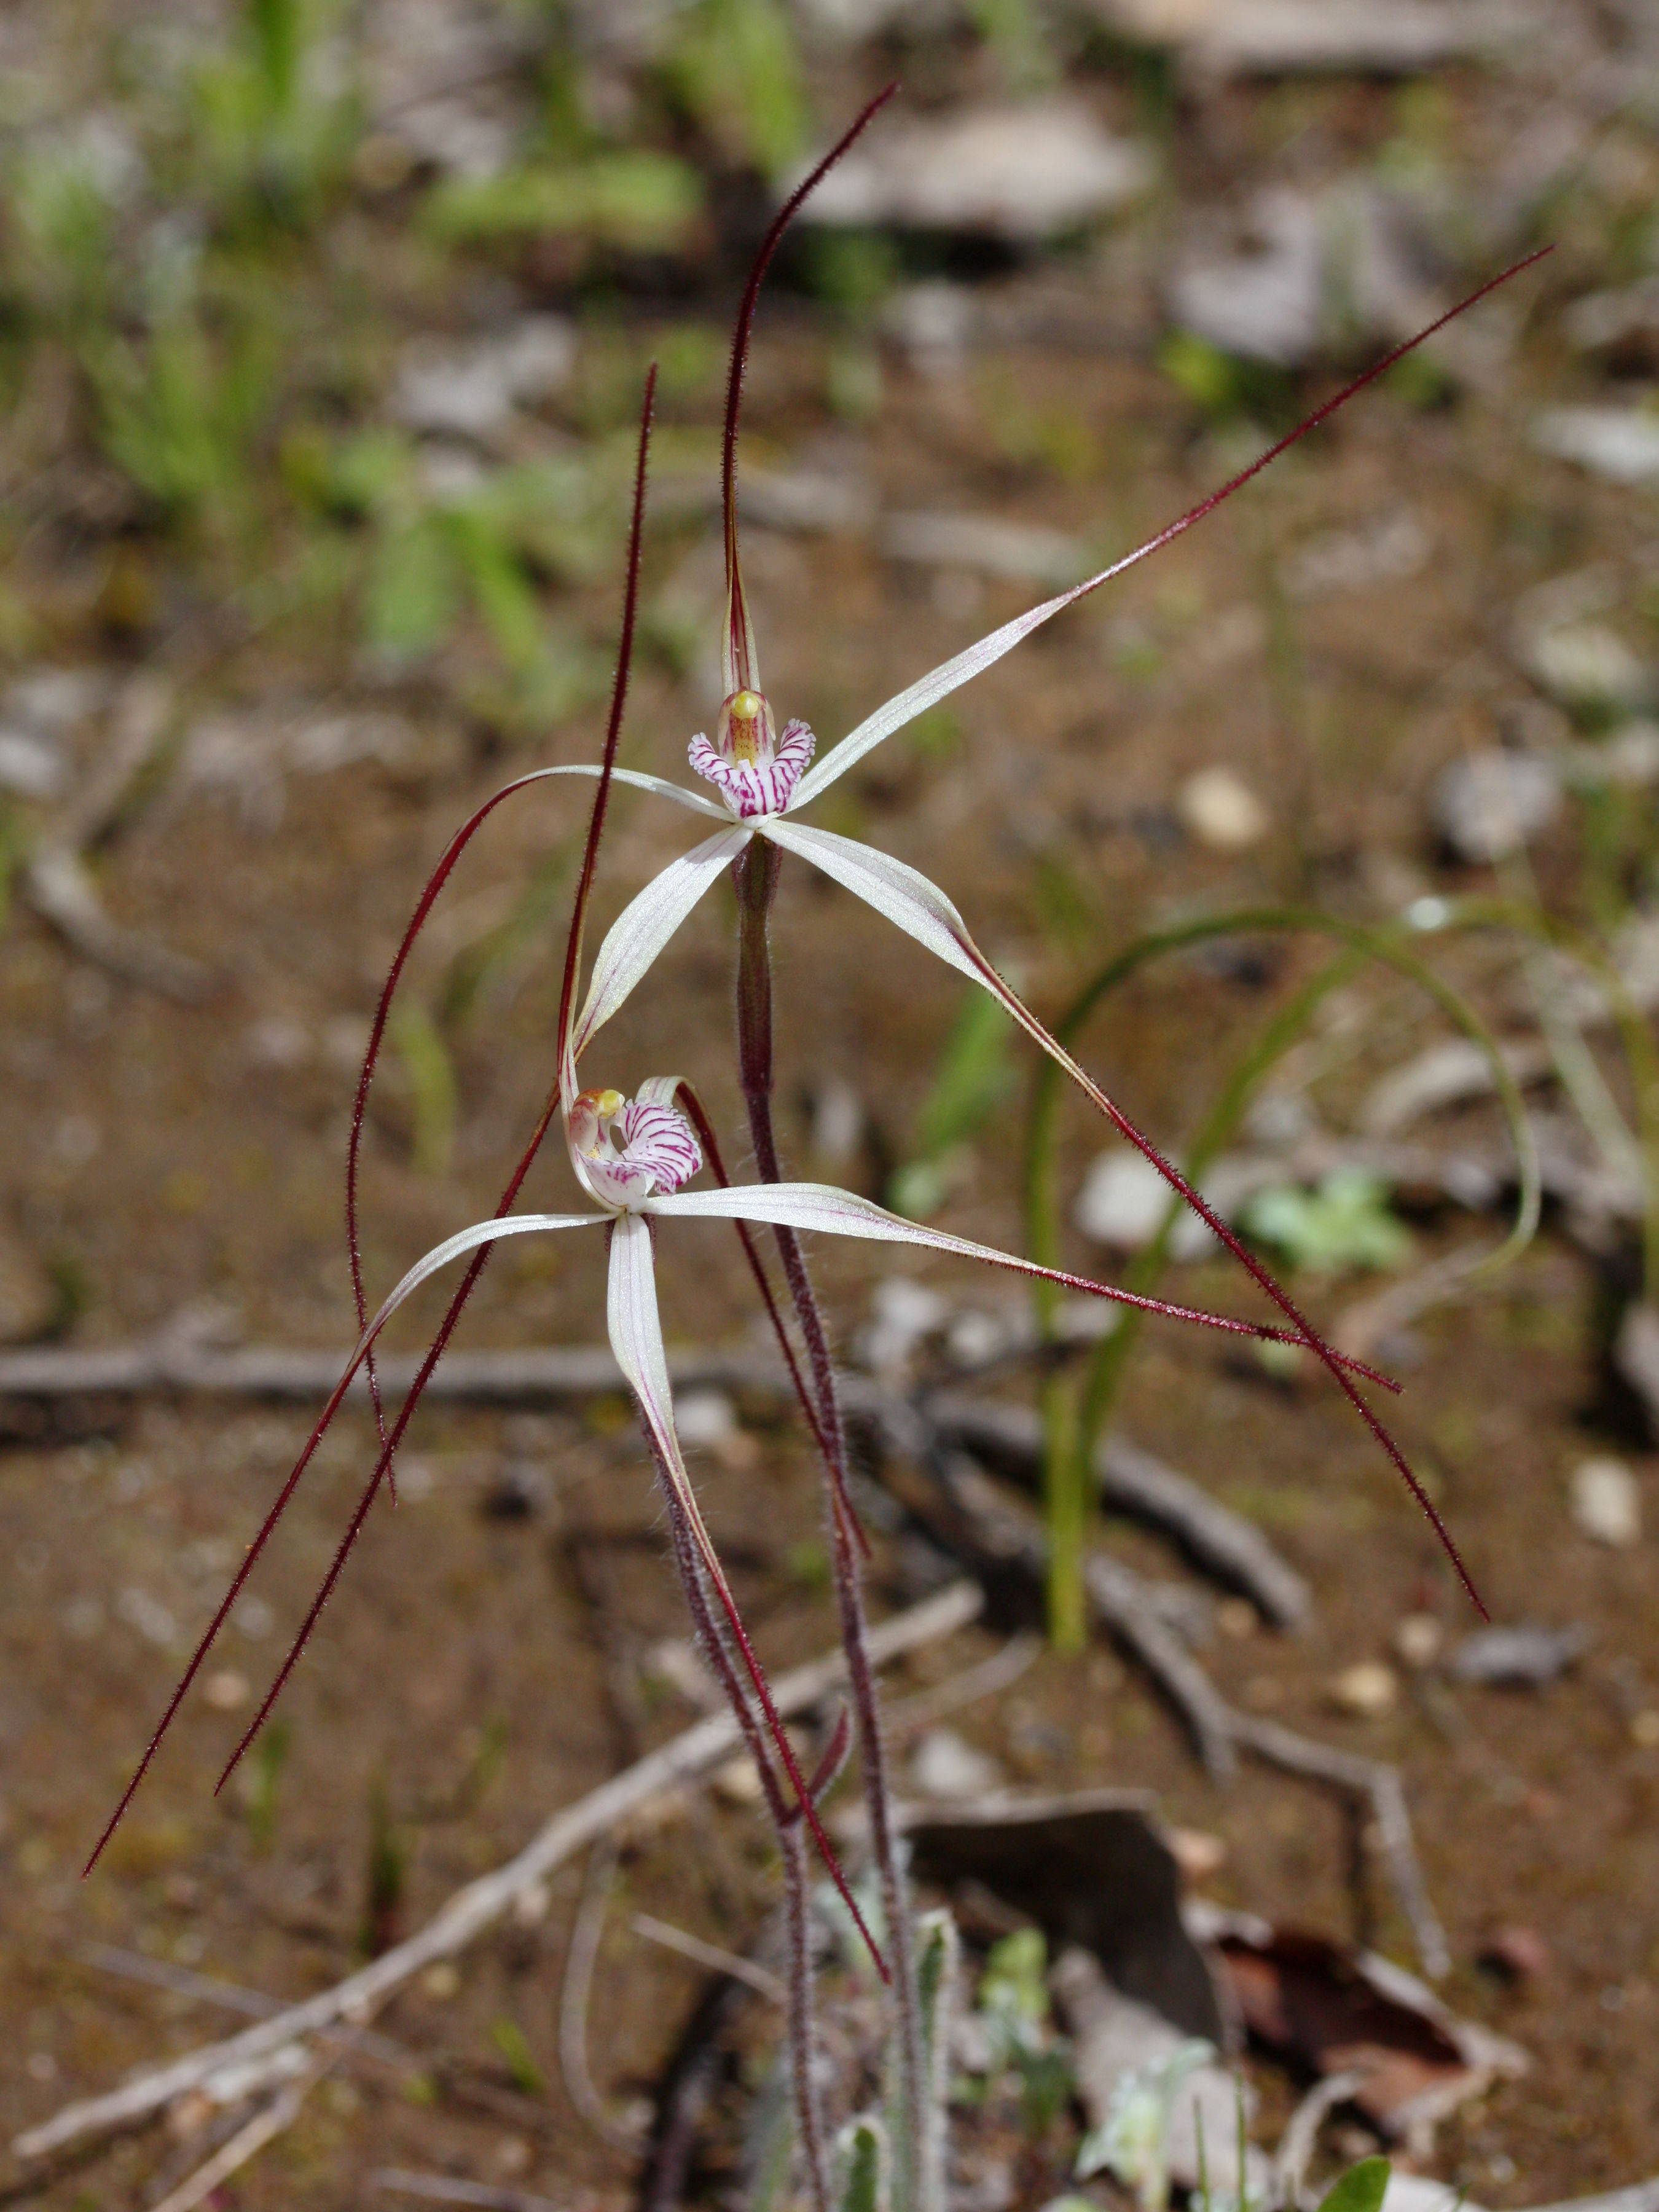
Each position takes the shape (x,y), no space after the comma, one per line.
(1389,947)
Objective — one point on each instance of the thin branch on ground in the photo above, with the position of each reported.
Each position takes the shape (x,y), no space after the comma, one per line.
(759,1978)
(969,1515)
(56,882)
(1371,1320)
(1131,1480)
(445,2188)
(482,1903)
(908,1715)
(58,886)
(354,2047)
(693,2078)
(1126,1602)
(1296,2145)
(174,1359)
(231,1997)
(1134,1482)
(247,2142)
(1376,1783)
(576,1987)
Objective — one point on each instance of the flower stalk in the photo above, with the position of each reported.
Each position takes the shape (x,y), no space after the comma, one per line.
(791,1842)
(755,773)
(756,873)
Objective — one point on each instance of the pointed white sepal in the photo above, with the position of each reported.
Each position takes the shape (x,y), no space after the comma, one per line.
(468,1240)
(635,1329)
(950,675)
(900,892)
(820,1206)
(905,899)
(657,784)
(645,924)
(927,691)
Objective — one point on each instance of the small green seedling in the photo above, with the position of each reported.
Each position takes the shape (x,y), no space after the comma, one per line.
(1361,2188)
(1343,1225)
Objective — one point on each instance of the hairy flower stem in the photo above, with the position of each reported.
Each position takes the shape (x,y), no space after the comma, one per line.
(809,2103)
(792,1844)
(756,872)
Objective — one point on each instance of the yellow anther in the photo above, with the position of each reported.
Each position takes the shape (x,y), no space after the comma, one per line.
(746,706)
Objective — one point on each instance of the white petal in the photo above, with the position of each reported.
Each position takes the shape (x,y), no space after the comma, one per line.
(659,784)
(927,691)
(821,1207)
(902,893)
(922,911)
(939,682)
(645,924)
(658,1089)
(468,1240)
(636,1339)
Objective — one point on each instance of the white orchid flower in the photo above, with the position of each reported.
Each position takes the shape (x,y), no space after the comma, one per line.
(632,1159)
(760,781)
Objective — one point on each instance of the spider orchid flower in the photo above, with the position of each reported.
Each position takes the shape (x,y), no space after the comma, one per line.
(632,1159)
(758,782)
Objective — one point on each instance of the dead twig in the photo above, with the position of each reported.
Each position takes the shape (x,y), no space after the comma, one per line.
(1122,1602)
(1369,1322)
(173,1360)
(1126,1603)
(486,1900)
(445,2189)
(205,1989)
(1296,2145)
(56,882)
(909,1716)
(979,1524)
(58,886)
(353,2045)
(1133,1481)
(759,1978)
(575,1989)
(1378,1786)
(247,2142)
(684,2094)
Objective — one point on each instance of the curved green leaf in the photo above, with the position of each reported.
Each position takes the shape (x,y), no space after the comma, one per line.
(1361,2188)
